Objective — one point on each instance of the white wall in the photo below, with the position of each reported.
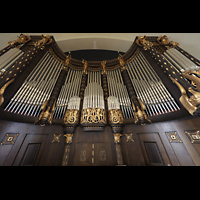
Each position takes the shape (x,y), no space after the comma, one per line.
(110,41)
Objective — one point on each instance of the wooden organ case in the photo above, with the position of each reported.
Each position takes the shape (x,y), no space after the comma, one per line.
(139,109)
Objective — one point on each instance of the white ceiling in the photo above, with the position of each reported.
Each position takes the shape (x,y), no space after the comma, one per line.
(110,41)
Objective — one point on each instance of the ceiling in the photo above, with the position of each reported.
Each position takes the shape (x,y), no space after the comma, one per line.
(110,41)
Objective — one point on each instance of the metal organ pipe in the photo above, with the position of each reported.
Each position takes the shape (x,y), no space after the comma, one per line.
(42,87)
(183,62)
(24,85)
(93,96)
(150,88)
(117,88)
(36,88)
(162,88)
(69,90)
(8,59)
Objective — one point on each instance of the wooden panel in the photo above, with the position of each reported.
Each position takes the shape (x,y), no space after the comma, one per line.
(31,151)
(51,154)
(153,149)
(30,155)
(103,154)
(83,154)
(93,154)
(153,154)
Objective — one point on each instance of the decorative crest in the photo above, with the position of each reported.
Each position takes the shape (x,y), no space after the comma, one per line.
(163,40)
(22,39)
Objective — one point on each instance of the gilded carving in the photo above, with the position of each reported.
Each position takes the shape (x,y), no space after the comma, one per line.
(71,116)
(194,136)
(93,115)
(46,117)
(193,77)
(117,137)
(85,66)
(189,103)
(129,137)
(46,39)
(115,116)
(163,40)
(141,41)
(140,116)
(22,39)
(2,90)
(121,62)
(68,138)
(9,139)
(103,64)
(56,138)
(68,59)
(173,137)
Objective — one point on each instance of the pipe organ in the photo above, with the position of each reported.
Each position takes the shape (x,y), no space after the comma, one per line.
(95,94)
(143,88)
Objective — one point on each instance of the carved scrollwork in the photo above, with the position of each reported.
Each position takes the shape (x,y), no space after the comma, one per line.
(22,39)
(71,116)
(93,115)
(115,116)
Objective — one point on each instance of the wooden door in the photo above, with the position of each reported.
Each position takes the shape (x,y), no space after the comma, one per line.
(153,149)
(31,151)
(93,154)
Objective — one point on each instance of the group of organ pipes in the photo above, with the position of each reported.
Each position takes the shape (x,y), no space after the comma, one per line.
(91,98)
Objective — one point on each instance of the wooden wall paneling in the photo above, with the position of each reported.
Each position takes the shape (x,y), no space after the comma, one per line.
(84,140)
(53,151)
(103,155)
(12,127)
(195,147)
(153,149)
(184,153)
(131,151)
(180,149)
(31,151)
(181,126)
(172,156)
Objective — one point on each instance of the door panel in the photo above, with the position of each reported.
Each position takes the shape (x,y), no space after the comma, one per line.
(31,151)
(153,154)
(93,154)
(83,154)
(102,154)
(153,149)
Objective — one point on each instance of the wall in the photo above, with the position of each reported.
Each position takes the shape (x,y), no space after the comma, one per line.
(33,145)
